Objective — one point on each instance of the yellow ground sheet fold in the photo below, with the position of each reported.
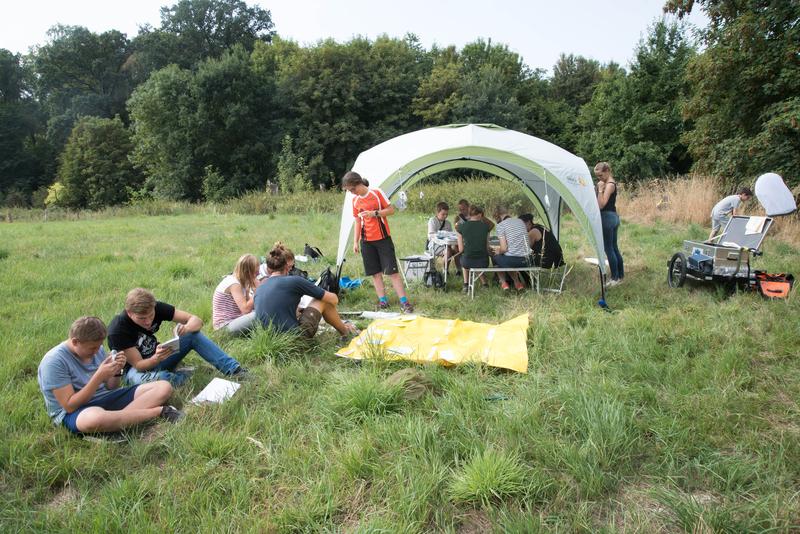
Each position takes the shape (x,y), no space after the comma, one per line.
(445,341)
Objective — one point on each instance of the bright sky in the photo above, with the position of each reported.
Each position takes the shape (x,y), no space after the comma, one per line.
(539,30)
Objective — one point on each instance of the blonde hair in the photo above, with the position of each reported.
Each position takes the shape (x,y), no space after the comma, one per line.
(246,271)
(602,166)
(86,329)
(139,301)
(499,212)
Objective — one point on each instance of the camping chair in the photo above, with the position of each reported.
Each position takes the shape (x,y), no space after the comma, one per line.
(415,267)
(552,280)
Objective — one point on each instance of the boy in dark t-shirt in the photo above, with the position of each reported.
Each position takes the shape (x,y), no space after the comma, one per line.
(277,299)
(132,332)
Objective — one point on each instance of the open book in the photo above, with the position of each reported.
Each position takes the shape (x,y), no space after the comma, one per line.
(175,342)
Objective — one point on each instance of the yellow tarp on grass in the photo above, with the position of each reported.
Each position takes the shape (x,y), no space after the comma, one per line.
(445,341)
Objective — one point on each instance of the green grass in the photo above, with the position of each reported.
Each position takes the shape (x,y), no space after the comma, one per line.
(678,411)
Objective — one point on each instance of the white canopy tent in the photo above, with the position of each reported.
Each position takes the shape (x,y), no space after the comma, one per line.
(548,174)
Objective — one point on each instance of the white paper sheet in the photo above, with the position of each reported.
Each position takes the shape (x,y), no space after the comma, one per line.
(379,315)
(217,391)
(755,225)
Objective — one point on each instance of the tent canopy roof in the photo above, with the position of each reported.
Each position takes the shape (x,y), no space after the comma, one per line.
(548,173)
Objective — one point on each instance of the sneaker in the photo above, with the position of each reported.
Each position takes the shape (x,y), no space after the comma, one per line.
(242,374)
(465,288)
(383,305)
(172,414)
(519,287)
(406,307)
(505,286)
(612,283)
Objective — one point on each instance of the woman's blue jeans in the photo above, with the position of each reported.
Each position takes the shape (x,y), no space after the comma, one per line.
(207,349)
(610,221)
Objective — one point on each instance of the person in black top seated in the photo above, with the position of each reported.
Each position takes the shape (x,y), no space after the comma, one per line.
(546,249)
(133,332)
(278,297)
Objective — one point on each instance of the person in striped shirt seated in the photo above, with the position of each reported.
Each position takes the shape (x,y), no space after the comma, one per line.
(514,249)
(232,302)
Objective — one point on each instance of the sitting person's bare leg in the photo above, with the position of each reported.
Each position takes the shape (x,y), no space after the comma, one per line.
(147,404)
(331,316)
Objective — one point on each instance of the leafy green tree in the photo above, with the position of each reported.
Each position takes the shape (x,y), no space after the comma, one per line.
(23,152)
(339,99)
(162,113)
(571,86)
(232,119)
(95,171)
(438,93)
(574,79)
(480,84)
(80,73)
(744,101)
(634,120)
(195,30)
(217,117)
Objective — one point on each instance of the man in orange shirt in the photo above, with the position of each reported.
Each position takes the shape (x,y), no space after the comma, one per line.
(371,235)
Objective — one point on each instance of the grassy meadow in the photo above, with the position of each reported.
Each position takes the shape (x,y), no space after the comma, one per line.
(676,412)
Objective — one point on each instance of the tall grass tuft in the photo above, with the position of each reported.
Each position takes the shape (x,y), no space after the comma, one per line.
(366,395)
(268,344)
(489,476)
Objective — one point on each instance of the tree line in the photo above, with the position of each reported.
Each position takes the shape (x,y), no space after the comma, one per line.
(214,103)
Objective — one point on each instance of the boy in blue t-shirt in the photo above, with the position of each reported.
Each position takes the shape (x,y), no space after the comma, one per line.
(80,385)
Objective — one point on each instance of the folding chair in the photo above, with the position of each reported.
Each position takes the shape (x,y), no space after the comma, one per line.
(415,267)
(554,278)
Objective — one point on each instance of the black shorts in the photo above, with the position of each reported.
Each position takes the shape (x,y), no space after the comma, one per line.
(379,256)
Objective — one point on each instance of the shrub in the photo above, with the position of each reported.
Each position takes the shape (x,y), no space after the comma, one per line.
(95,170)
(292,170)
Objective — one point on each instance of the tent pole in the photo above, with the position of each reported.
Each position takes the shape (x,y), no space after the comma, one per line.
(602,302)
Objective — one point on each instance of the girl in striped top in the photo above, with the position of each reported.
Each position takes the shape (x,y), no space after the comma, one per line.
(232,303)
(514,249)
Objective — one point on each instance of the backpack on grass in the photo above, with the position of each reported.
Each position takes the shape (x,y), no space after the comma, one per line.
(313,253)
(330,281)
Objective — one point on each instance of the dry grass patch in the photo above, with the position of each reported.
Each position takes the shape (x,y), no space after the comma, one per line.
(689,200)
(685,200)
(64,497)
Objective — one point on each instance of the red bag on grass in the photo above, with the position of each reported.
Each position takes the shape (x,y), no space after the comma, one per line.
(775,286)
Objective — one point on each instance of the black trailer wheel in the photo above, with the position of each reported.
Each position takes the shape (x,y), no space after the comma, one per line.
(676,273)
